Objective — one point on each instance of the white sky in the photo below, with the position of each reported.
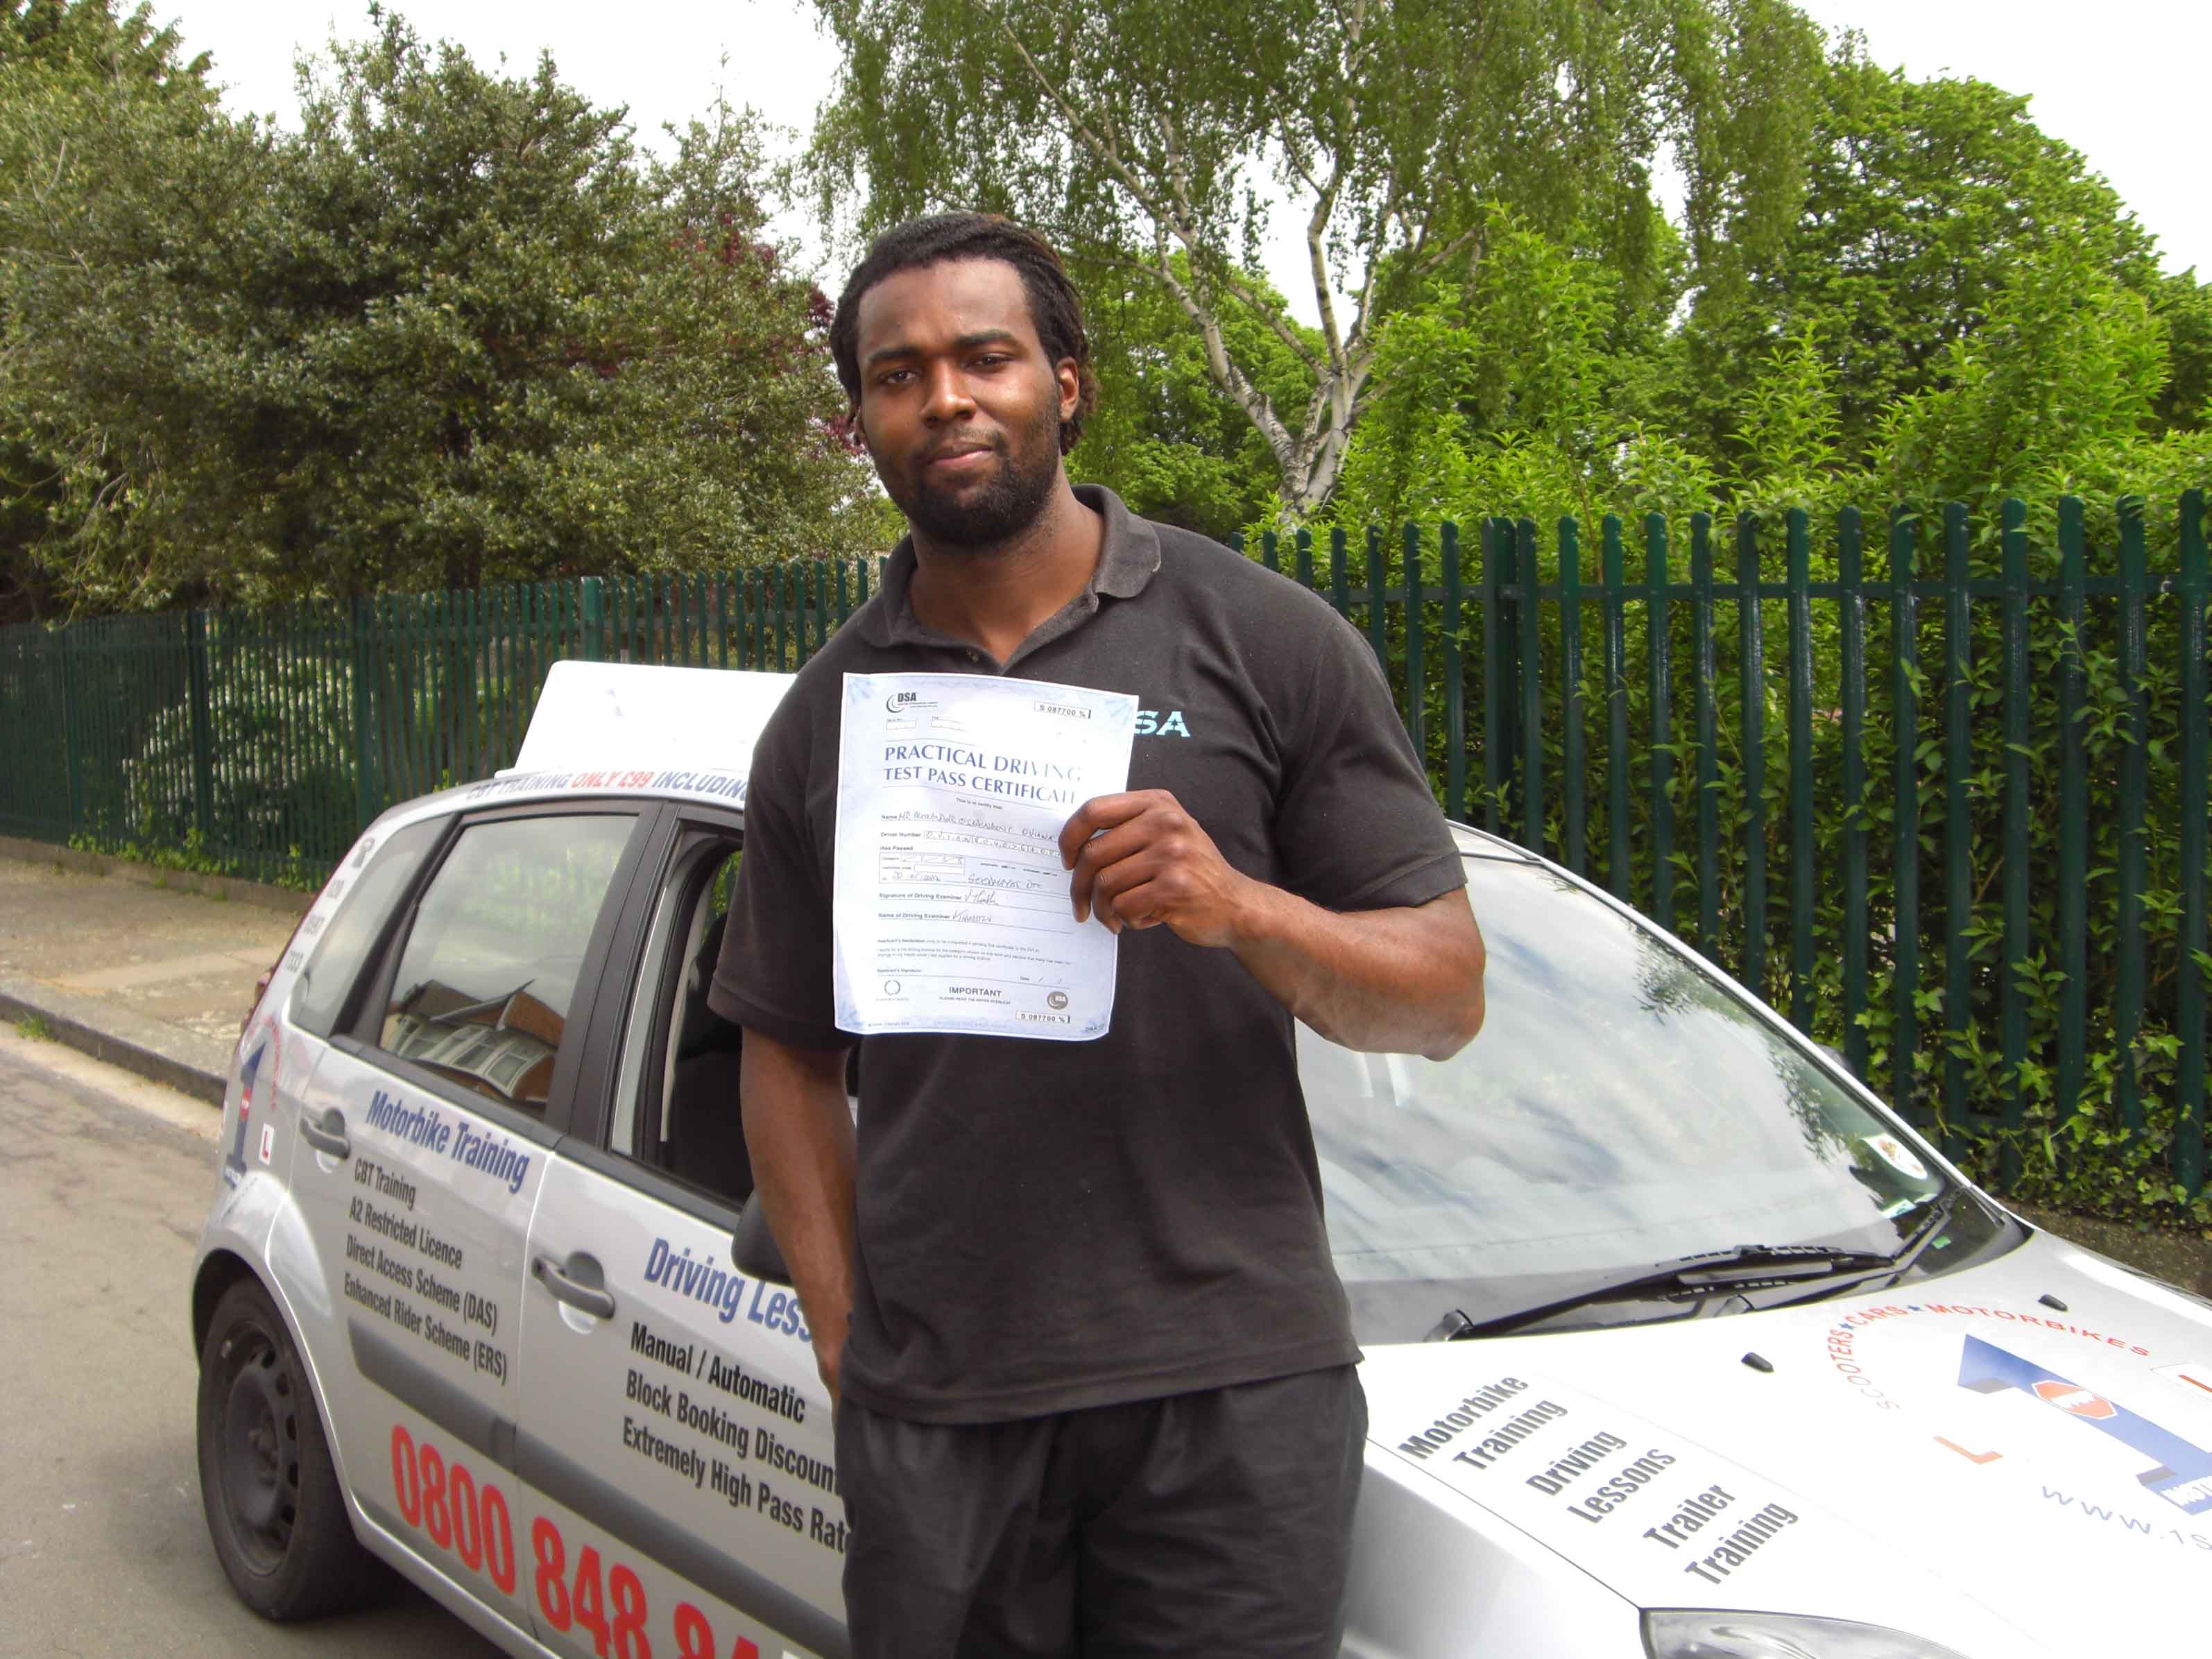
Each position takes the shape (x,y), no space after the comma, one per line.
(2123,82)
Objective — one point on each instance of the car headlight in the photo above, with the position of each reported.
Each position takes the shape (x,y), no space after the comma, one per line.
(1699,1633)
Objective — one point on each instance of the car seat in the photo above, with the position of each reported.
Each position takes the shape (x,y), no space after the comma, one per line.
(705,1127)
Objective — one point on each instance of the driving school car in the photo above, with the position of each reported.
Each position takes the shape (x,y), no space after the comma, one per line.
(1679,1344)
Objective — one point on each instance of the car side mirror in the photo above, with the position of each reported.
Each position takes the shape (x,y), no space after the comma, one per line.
(754,1249)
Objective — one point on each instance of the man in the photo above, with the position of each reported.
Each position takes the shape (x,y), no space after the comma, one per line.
(1093,1364)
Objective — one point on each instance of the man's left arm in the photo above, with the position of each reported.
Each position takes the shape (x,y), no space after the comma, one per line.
(1403,979)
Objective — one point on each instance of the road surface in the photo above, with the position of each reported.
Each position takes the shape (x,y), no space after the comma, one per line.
(104,1181)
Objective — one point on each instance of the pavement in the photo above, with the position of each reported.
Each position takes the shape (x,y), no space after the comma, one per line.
(104,1179)
(149,970)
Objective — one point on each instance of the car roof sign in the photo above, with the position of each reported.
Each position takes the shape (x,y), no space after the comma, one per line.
(642,717)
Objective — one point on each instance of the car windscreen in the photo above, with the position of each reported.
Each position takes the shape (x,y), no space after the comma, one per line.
(1621,1107)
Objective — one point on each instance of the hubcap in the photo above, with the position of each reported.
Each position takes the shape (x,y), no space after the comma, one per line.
(260,1458)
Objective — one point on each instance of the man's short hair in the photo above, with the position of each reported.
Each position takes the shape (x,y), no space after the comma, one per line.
(943,237)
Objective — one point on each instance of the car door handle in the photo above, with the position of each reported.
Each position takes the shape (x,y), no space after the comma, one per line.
(592,1299)
(326,1134)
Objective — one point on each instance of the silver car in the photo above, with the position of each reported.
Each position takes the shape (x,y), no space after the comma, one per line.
(1679,1344)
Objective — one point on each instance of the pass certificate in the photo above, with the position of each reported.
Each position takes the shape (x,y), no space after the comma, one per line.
(951,907)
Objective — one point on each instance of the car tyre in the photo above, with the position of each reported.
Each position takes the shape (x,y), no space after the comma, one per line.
(273,1507)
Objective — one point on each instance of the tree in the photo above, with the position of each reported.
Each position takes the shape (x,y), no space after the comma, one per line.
(1512,391)
(1137,133)
(1923,201)
(1962,308)
(2056,393)
(456,330)
(1163,437)
(66,54)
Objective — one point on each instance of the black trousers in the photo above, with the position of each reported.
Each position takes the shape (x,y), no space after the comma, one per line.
(1215,1524)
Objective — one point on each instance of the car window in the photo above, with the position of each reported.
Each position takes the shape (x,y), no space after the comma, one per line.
(725,884)
(675,1106)
(319,994)
(487,977)
(1622,1107)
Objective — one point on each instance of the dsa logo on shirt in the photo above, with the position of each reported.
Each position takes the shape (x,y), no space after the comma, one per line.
(1150,725)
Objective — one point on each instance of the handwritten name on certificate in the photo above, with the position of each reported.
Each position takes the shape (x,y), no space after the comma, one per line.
(950,906)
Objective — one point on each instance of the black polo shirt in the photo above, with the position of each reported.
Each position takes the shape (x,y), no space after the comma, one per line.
(1047,1226)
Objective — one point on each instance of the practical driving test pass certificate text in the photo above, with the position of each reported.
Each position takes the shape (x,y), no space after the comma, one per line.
(952,906)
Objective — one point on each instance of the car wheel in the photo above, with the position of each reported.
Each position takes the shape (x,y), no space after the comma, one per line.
(273,1505)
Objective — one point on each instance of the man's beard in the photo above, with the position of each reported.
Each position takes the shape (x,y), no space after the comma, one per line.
(1001,508)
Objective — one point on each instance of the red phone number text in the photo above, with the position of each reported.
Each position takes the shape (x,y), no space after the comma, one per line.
(441,1499)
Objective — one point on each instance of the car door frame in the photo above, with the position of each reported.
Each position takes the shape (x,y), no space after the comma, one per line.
(593,1102)
(360,1021)
(472,1422)
(703,1561)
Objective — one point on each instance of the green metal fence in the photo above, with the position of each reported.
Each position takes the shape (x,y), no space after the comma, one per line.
(1939,792)
(260,742)
(1944,803)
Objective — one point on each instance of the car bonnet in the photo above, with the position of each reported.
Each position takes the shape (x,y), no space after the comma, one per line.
(2011,1459)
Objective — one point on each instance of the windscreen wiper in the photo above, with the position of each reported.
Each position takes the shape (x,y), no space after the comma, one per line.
(1746,1266)
(1892,1269)
(1939,1217)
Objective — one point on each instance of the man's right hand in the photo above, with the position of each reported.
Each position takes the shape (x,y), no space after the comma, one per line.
(799,1131)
